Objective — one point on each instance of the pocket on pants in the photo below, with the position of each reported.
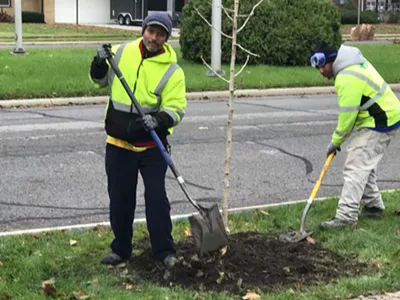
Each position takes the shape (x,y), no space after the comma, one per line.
(383,143)
(360,139)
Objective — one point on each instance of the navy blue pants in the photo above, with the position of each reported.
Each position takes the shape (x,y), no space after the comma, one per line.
(122,168)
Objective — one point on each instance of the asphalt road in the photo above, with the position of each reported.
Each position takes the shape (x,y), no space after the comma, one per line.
(52,159)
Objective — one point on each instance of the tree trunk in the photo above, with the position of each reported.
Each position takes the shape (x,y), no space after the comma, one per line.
(229,130)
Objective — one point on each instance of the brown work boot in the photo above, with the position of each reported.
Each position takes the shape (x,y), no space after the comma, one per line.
(337,223)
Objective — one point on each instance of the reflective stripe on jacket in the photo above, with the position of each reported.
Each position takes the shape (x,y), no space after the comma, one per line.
(365,100)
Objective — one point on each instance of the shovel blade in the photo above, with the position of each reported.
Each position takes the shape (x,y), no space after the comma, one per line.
(292,236)
(208,230)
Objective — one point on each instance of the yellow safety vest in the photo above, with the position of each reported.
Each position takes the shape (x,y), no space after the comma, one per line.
(365,101)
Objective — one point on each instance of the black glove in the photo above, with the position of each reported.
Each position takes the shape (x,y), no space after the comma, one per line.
(98,68)
(149,122)
(160,120)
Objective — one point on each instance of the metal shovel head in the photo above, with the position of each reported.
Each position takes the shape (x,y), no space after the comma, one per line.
(208,230)
(293,236)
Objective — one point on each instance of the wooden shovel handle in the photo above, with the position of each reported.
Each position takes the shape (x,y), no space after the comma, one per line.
(322,175)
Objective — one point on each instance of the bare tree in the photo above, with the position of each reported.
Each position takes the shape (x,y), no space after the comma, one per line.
(235,31)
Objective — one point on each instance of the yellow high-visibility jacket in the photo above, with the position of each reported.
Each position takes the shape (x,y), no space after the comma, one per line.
(158,84)
(365,99)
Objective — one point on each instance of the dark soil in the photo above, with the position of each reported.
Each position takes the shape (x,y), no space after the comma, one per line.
(253,261)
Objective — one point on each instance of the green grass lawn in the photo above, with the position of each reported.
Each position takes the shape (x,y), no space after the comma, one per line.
(71,259)
(64,73)
(59,32)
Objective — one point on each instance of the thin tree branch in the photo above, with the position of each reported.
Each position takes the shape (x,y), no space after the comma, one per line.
(209,24)
(244,66)
(247,51)
(212,70)
(249,16)
(226,13)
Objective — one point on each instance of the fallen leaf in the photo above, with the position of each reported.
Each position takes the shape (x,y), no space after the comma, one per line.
(35,237)
(397,212)
(128,286)
(188,232)
(94,282)
(221,277)
(264,212)
(80,295)
(5,295)
(37,253)
(310,240)
(49,287)
(198,297)
(251,296)
(203,128)
(72,242)
(99,230)
(224,250)
(201,287)
(1,264)
(6,67)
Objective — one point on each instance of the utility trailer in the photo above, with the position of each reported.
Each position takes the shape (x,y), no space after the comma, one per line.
(128,12)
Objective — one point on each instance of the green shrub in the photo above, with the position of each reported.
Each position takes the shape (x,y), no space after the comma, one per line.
(282,32)
(366,17)
(32,17)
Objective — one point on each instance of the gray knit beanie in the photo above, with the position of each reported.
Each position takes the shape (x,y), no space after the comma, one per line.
(160,18)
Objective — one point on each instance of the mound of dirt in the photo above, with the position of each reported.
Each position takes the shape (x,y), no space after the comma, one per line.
(253,261)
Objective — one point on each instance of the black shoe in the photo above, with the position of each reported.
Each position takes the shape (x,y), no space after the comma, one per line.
(112,259)
(371,212)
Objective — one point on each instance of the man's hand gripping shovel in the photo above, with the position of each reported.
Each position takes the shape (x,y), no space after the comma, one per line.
(207,228)
(293,236)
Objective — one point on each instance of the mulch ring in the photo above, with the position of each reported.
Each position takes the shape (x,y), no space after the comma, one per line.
(253,261)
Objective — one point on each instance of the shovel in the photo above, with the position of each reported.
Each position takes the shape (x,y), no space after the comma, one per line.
(208,229)
(293,236)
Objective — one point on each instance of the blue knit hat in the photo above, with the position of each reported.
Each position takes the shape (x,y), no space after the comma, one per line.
(160,18)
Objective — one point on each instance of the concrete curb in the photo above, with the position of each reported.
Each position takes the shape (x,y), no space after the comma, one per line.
(207,95)
(175,218)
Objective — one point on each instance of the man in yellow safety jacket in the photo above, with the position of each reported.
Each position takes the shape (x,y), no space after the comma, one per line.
(366,103)
(149,66)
